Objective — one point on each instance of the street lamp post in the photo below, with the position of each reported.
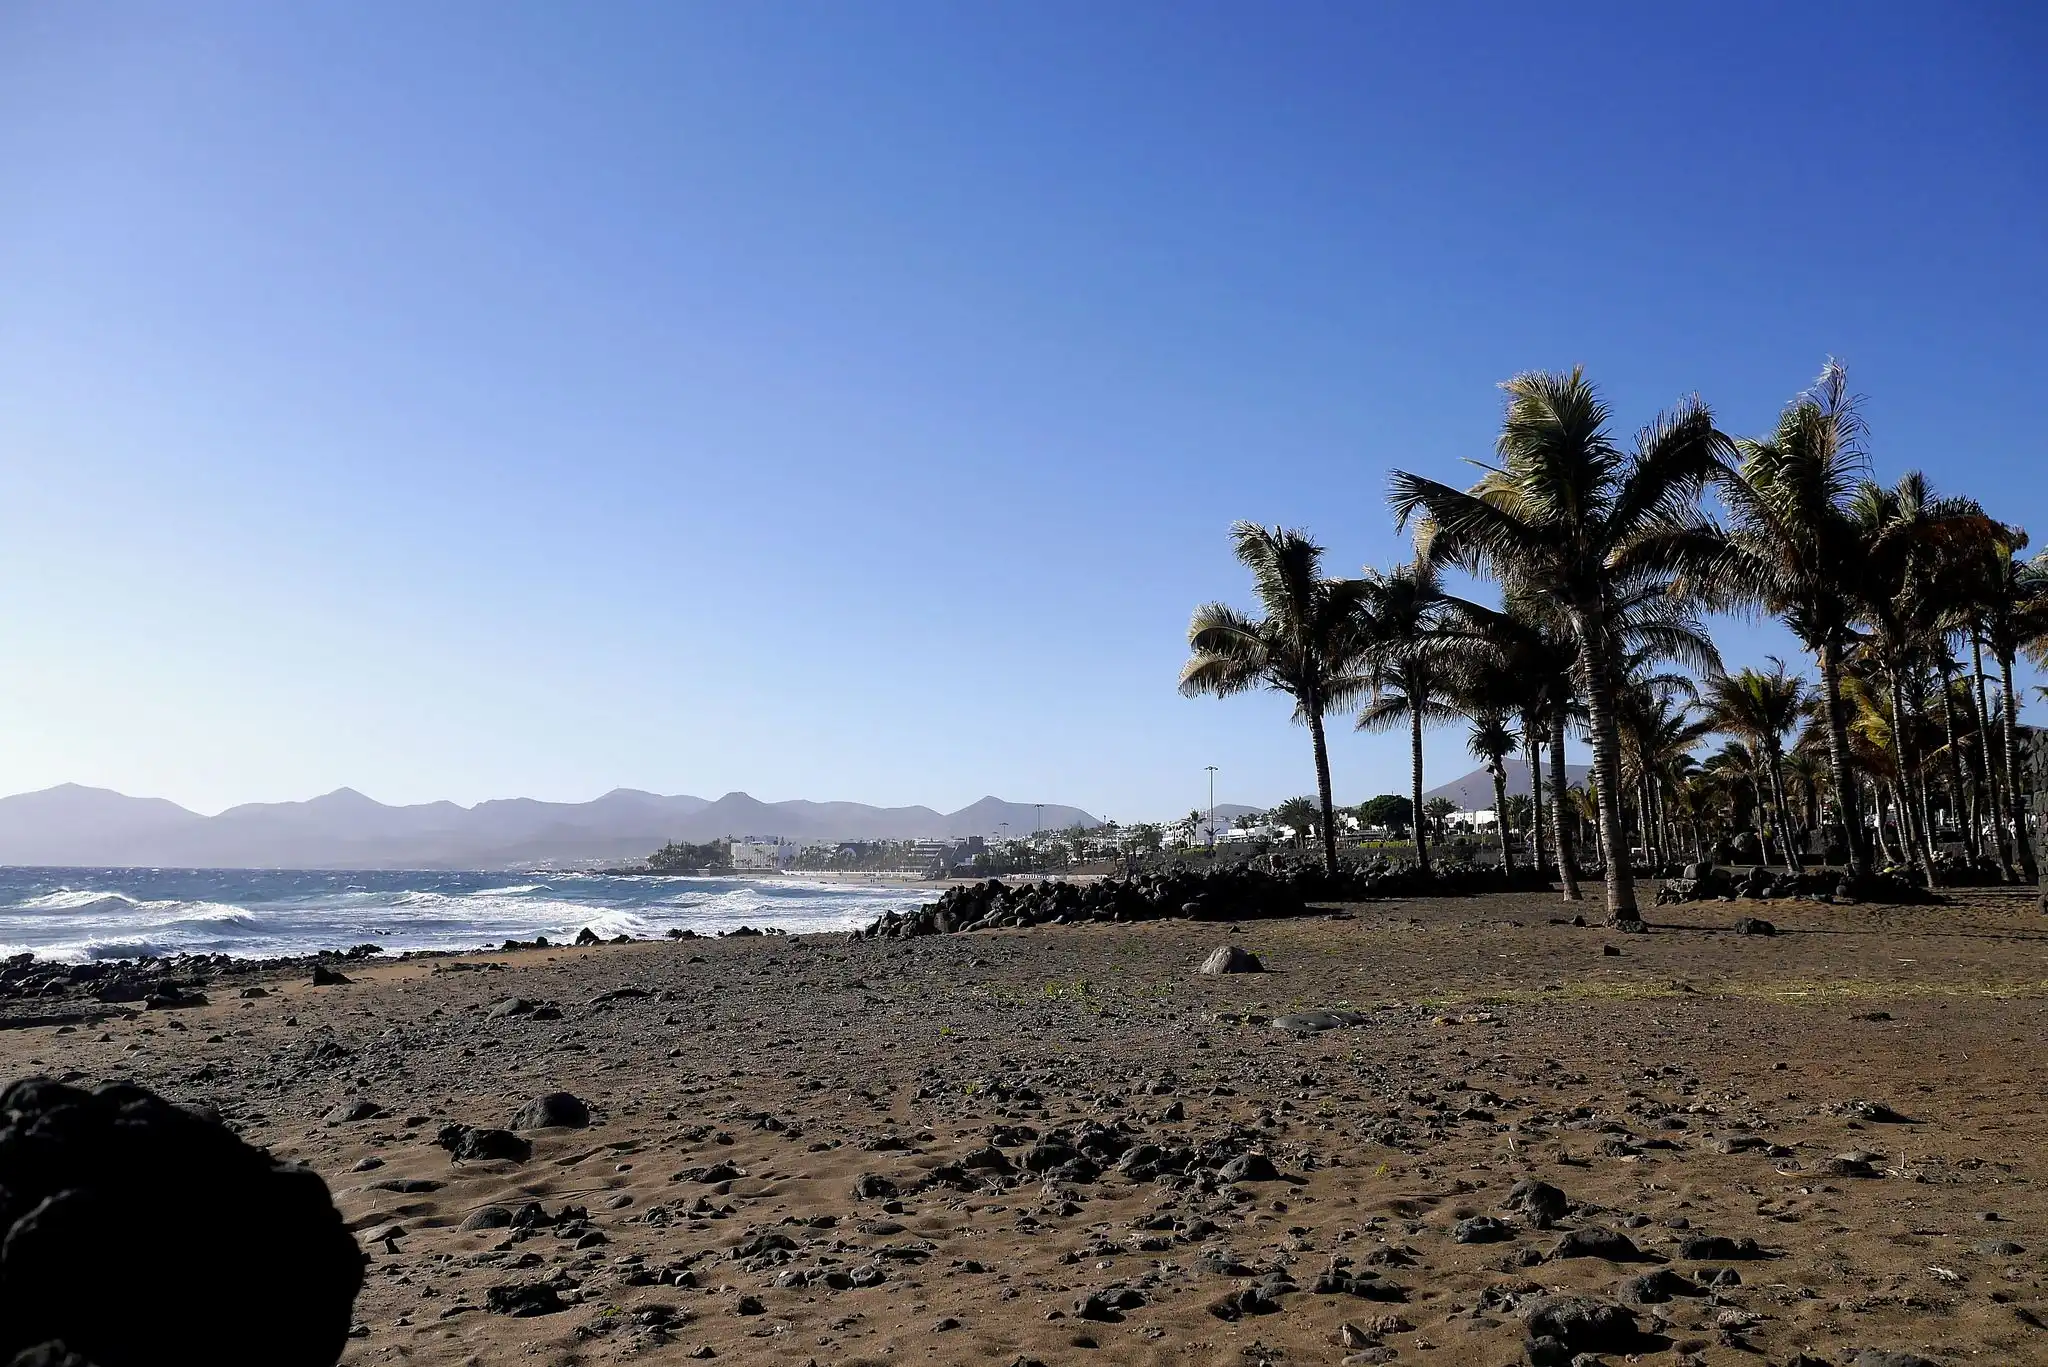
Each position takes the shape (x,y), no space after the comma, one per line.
(1212,807)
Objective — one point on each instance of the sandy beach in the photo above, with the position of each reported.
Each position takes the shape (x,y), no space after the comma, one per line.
(1065,1145)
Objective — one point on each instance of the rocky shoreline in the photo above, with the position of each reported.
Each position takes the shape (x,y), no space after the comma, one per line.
(1433,1130)
(1230,892)
(36,991)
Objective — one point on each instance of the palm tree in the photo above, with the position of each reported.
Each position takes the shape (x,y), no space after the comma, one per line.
(1520,816)
(2007,611)
(1309,644)
(1570,514)
(1439,811)
(1298,816)
(1909,540)
(1697,798)
(1738,768)
(1964,790)
(1868,716)
(1796,551)
(1541,649)
(1408,666)
(1491,740)
(1659,733)
(1530,651)
(1805,777)
(1761,709)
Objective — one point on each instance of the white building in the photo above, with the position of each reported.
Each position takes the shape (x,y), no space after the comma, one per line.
(772,852)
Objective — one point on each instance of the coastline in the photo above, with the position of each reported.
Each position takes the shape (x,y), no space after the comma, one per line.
(87,915)
(792,1143)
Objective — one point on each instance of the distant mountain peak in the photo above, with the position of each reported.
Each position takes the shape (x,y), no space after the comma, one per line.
(73,825)
(1474,791)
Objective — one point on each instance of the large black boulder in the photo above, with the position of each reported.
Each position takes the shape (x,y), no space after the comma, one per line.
(1583,1324)
(1540,1200)
(469,1144)
(126,1216)
(554,1111)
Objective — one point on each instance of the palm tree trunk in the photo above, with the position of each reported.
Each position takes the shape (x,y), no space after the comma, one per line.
(1767,812)
(1667,828)
(1884,843)
(1847,807)
(1415,782)
(1794,859)
(1760,817)
(2003,794)
(1643,817)
(1534,746)
(1987,767)
(1912,831)
(2023,839)
(1916,710)
(1599,665)
(1956,785)
(1567,866)
(1500,814)
(1329,822)
(1902,835)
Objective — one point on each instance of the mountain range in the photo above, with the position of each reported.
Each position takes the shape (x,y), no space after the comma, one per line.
(74,826)
(1474,792)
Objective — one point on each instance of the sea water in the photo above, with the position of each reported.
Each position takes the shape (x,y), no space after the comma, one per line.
(76,914)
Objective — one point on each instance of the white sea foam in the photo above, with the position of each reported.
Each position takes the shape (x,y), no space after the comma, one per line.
(103,914)
(77,899)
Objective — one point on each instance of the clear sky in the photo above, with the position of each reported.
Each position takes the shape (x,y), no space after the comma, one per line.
(851,400)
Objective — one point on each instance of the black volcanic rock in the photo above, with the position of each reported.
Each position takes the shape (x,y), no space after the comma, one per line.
(127,1217)
(555,1111)
(470,1144)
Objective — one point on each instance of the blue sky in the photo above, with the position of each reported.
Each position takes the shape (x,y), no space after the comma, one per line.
(851,401)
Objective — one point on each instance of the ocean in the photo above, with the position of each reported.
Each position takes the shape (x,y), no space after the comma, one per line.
(78,914)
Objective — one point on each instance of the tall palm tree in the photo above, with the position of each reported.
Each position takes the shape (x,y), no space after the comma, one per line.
(1408,666)
(1491,740)
(1796,551)
(1697,798)
(2007,610)
(1805,779)
(1309,643)
(1908,539)
(1958,741)
(1742,772)
(1571,514)
(1659,732)
(1490,691)
(1868,714)
(1531,645)
(1762,708)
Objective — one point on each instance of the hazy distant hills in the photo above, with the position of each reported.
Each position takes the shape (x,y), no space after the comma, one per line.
(76,826)
(1474,792)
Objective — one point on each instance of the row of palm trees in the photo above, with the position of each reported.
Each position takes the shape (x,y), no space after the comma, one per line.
(1914,607)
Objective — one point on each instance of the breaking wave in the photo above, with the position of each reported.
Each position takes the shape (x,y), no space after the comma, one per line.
(78,914)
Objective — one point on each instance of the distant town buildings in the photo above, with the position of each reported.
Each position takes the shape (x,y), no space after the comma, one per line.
(763,853)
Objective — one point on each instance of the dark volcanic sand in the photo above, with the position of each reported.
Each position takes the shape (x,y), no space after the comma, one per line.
(1497,1047)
